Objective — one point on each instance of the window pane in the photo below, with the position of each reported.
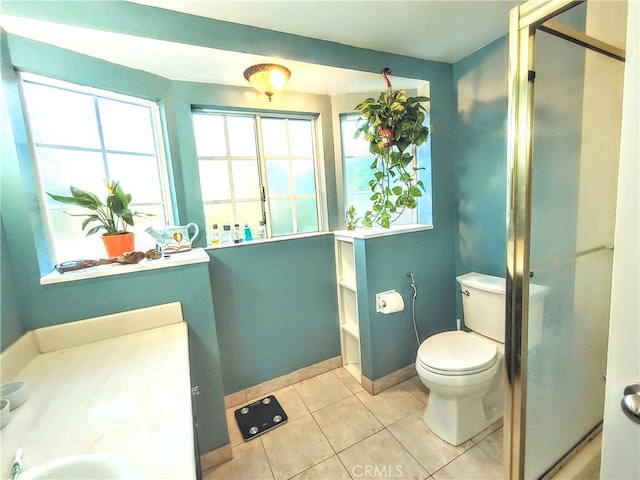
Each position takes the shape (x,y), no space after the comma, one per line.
(304,181)
(307,214)
(352,146)
(274,137)
(246,181)
(242,136)
(358,173)
(59,169)
(214,180)
(360,201)
(70,242)
(209,133)
(129,169)
(60,117)
(278,179)
(249,212)
(301,138)
(219,213)
(126,127)
(281,217)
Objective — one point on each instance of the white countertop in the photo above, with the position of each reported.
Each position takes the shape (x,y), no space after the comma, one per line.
(129,395)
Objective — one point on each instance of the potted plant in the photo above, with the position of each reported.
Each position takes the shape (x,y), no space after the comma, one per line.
(393,125)
(350,217)
(113,216)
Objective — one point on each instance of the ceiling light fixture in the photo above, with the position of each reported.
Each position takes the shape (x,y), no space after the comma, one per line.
(267,78)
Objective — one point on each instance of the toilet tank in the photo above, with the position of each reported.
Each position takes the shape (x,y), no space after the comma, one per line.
(483,304)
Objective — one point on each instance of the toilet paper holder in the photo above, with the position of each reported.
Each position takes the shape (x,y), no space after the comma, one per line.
(394,297)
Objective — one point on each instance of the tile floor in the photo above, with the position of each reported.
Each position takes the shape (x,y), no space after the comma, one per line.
(337,430)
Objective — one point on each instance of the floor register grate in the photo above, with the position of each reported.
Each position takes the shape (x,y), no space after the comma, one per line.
(260,417)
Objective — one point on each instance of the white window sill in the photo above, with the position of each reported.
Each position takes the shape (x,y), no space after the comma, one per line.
(282,238)
(196,255)
(375,232)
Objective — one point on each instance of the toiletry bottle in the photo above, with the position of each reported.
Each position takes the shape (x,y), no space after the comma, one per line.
(215,235)
(226,234)
(237,234)
(262,230)
(247,233)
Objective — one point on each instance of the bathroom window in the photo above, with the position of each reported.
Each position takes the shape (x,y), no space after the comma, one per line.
(357,162)
(83,137)
(258,168)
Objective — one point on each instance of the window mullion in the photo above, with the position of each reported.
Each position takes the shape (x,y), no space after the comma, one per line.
(229,167)
(262,174)
(292,191)
(105,162)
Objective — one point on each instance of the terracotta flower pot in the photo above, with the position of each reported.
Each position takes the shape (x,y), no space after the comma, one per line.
(119,243)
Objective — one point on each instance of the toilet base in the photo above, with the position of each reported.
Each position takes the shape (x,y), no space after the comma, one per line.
(456,420)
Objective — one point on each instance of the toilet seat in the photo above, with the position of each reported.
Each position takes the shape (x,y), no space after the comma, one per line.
(457,353)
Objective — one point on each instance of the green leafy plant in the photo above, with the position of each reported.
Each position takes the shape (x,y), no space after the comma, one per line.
(351,218)
(392,124)
(113,216)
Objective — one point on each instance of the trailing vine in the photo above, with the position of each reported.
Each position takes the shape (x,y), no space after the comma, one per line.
(392,124)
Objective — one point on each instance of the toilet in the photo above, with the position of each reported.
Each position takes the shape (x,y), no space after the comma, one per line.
(464,371)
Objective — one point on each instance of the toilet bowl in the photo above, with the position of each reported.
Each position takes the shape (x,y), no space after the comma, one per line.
(463,372)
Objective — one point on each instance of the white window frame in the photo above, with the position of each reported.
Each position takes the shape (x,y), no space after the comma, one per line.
(261,158)
(412,213)
(158,131)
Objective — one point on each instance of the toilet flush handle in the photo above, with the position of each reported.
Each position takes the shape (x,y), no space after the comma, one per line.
(465,292)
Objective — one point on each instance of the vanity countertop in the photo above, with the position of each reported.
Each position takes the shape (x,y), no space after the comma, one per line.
(128,395)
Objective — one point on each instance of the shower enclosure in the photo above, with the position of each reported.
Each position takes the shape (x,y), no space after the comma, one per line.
(566,64)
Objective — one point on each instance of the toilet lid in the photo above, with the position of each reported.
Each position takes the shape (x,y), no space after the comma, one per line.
(457,353)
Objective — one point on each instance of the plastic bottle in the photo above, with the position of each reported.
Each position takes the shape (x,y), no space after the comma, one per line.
(247,233)
(237,234)
(226,234)
(216,237)
(262,230)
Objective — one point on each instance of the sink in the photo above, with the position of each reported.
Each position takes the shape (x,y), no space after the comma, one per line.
(92,466)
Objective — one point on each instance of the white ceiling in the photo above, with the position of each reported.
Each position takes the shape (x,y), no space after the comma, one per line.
(427,29)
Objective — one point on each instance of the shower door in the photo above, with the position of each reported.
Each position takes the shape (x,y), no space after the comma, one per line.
(563,200)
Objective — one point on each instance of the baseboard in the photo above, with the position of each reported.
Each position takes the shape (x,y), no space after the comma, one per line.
(257,391)
(394,378)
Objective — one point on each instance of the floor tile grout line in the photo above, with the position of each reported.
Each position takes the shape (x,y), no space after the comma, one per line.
(264,450)
(410,454)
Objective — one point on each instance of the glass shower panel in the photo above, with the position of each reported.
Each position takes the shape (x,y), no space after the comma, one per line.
(577,96)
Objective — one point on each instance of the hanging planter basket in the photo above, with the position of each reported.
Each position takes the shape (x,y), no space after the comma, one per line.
(393,124)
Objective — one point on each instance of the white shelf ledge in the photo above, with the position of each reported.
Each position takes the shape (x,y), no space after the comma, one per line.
(352,329)
(374,232)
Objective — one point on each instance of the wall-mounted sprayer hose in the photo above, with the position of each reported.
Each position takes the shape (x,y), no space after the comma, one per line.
(413,305)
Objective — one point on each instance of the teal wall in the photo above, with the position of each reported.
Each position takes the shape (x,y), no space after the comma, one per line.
(388,341)
(481,161)
(271,290)
(12,326)
(276,308)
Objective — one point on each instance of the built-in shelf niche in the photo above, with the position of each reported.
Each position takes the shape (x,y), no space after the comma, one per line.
(348,306)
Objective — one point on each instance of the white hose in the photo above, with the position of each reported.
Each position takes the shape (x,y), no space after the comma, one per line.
(413,304)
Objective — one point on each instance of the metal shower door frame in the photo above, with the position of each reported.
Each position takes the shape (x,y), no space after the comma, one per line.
(525,20)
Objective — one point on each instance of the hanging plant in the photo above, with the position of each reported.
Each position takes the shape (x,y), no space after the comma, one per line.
(393,125)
